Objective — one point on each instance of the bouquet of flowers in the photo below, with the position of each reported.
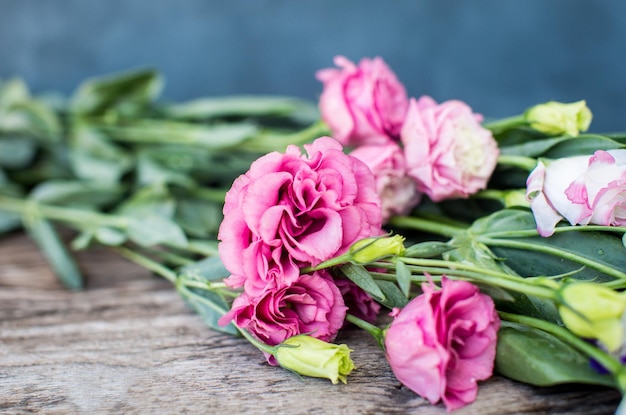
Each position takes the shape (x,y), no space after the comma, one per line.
(463,246)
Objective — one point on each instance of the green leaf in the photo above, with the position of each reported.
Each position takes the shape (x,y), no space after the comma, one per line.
(208,269)
(13,91)
(393,297)
(600,252)
(152,173)
(126,91)
(209,306)
(582,145)
(199,218)
(361,277)
(429,249)
(150,200)
(532,148)
(403,276)
(94,157)
(172,132)
(16,152)
(32,119)
(44,234)
(153,229)
(533,356)
(241,106)
(505,220)
(9,222)
(110,236)
(75,193)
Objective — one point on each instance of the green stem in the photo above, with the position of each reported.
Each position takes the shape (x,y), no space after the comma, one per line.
(504,124)
(341,259)
(257,343)
(469,273)
(376,332)
(147,263)
(210,194)
(553,251)
(216,287)
(170,257)
(558,229)
(272,141)
(525,163)
(425,225)
(199,247)
(607,361)
(63,214)
(491,194)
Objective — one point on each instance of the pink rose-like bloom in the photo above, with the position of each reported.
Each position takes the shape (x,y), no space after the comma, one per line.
(290,210)
(397,191)
(443,342)
(312,305)
(363,104)
(581,189)
(448,152)
(360,304)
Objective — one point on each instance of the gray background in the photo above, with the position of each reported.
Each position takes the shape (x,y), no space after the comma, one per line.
(498,55)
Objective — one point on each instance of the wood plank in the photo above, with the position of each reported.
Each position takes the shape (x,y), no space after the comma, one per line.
(128,344)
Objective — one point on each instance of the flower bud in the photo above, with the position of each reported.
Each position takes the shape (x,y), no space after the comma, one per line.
(309,356)
(594,311)
(557,118)
(369,250)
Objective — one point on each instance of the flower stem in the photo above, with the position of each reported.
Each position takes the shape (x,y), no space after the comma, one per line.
(272,141)
(469,272)
(425,225)
(525,163)
(553,251)
(504,124)
(607,361)
(376,332)
(257,343)
(147,263)
(339,260)
(63,214)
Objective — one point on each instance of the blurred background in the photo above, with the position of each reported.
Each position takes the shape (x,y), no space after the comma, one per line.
(498,56)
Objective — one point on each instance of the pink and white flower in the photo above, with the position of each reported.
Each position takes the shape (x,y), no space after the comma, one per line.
(397,191)
(448,152)
(443,342)
(363,104)
(582,189)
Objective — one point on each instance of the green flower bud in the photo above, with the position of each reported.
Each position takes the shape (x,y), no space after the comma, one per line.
(309,356)
(369,250)
(556,118)
(594,311)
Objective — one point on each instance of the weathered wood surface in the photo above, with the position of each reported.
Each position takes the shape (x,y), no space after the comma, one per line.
(128,344)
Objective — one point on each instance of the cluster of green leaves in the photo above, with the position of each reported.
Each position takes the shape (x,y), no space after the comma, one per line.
(122,167)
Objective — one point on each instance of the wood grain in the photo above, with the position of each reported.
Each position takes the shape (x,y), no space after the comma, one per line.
(128,344)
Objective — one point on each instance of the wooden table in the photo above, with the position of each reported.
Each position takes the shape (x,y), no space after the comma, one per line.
(128,344)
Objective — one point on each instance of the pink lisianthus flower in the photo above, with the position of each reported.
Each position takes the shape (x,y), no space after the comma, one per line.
(443,342)
(363,104)
(582,189)
(360,304)
(397,191)
(294,210)
(312,305)
(265,266)
(448,152)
